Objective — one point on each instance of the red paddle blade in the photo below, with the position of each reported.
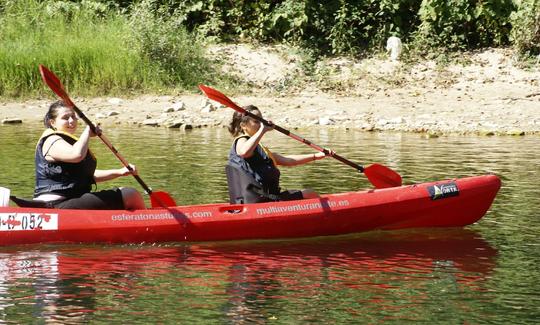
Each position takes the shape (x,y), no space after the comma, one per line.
(54,83)
(161,199)
(220,98)
(382,177)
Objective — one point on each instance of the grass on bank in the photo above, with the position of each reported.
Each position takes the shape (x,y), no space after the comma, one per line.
(94,50)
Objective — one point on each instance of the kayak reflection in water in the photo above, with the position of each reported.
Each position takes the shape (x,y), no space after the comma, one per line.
(252,172)
(66,168)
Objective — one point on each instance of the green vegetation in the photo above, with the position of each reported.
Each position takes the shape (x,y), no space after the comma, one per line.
(463,24)
(525,34)
(351,27)
(124,46)
(95,49)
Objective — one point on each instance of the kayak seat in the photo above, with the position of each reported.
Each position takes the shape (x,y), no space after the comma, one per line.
(243,188)
(24,203)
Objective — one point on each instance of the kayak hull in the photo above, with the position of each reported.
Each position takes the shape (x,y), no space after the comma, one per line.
(449,203)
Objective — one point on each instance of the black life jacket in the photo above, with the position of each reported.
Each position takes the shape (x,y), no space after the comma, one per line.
(254,179)
(243,188)
(67,179)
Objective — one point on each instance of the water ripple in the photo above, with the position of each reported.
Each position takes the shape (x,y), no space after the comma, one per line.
(484,274)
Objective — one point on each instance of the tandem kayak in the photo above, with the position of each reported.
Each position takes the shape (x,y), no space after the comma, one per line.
(448,203)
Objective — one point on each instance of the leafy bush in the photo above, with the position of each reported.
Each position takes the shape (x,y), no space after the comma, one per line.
(363,26)
(351,26)
(335,26)
(526,27)
(463,24)
(175,57)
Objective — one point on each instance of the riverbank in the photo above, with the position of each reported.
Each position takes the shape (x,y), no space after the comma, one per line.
(488,94)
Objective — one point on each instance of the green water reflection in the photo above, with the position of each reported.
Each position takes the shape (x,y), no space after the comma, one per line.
(485,274)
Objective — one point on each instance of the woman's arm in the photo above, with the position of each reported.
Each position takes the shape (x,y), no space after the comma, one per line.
(294,160)
(246,147)
(57,149)
(101,175)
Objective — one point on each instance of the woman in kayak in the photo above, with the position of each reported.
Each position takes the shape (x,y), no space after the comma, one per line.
(252,171)
(66,168)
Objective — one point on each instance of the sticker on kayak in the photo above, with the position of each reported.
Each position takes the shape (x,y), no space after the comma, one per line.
(28,221)
(441,191)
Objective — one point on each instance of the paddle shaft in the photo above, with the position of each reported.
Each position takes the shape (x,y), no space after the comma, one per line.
(106,141)
(299,138)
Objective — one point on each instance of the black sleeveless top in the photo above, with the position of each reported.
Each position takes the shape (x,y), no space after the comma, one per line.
(260,166)
(67,179)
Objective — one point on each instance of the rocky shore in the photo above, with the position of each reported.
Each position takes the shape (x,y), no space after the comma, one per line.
(489,95)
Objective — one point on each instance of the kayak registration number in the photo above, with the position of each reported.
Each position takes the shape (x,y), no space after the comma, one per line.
(28,221)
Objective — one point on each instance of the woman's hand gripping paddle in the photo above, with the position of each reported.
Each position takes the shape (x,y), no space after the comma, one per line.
(380,176)
(157,198)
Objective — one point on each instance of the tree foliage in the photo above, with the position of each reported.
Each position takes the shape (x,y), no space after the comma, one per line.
(356,26)
(525,33)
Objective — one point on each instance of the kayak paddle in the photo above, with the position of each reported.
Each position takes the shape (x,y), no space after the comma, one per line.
(157,198)
(380,176)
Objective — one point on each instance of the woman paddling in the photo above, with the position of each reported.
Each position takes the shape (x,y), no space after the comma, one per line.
(66,169)
(252,171)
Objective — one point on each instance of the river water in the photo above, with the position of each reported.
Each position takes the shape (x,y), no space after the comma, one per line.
(487,273)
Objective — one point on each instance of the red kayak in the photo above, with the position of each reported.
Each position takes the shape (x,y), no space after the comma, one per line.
(449,203)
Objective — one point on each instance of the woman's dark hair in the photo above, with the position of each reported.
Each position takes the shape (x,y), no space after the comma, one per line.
(52,113)
(235,127)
